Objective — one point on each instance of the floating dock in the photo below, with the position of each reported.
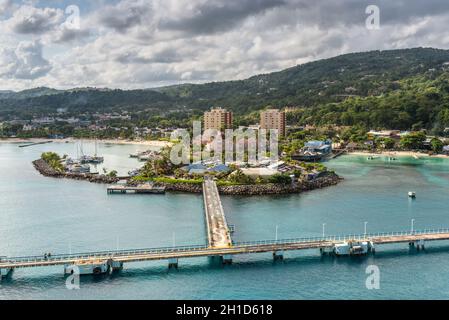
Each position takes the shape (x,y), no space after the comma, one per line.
(142,189)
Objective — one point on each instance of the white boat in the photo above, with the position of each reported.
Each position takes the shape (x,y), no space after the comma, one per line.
(134,173)
(412,194)
(342,249)
(353,248)
(88,268)
(79,168)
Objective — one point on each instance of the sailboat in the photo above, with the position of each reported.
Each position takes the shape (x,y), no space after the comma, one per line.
(91,159)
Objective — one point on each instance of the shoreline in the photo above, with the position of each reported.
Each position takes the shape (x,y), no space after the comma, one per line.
(149,143)
(410,154)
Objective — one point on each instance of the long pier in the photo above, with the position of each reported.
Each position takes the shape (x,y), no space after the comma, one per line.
(238,248)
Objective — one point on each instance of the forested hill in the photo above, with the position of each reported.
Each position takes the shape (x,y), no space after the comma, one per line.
(331,80)
(313,87)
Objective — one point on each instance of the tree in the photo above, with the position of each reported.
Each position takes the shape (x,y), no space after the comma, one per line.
(53,160)
(413,140)
(387,143)
(280,179)
(437,145)
(112,174)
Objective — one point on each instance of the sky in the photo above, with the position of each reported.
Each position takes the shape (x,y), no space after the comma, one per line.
(133,44)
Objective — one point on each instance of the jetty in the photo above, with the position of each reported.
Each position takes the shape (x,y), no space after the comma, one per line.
(34,144)
(337,152)
(141,189)
(220,244)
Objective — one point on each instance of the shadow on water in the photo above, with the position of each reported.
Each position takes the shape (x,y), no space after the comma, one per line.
(214,264)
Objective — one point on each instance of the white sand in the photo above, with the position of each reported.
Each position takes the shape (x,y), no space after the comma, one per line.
(398,154)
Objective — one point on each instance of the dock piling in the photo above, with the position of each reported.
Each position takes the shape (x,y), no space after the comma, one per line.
(173,263)
(227,259)
(278,255)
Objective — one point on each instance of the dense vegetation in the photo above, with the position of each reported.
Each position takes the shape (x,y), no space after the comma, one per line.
(53,160)
(400,89)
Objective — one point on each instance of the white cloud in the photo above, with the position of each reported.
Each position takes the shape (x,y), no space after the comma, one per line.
(144,43)
(31,20)
(24,62)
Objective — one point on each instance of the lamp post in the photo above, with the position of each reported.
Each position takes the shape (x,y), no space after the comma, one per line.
(277,227)
(324,229)
(413,224)
(365,228)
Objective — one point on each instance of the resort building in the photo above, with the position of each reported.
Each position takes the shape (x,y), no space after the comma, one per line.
(218,119)
(273,119)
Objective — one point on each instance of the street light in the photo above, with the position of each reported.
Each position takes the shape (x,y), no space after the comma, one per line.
(365,228)
(324,228)
(413,224)
(277,227)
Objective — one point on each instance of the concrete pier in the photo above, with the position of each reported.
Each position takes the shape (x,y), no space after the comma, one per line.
(218,233)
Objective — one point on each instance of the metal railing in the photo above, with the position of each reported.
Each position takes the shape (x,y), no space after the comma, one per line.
(195,248)
(104,254)
(354,237)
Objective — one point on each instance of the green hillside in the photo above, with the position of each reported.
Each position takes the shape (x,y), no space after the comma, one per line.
(385,89)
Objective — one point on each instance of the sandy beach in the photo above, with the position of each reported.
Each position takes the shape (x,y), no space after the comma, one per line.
(398,154)
(152,143)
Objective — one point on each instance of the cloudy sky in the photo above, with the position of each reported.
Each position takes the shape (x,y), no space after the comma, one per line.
(147,43)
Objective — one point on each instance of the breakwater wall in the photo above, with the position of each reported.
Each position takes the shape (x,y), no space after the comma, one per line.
(329,179)
(47,171)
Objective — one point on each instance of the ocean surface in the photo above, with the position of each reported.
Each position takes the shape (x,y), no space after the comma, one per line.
(39,215)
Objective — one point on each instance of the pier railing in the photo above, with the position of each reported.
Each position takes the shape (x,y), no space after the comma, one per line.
(195,248)
(106,254)
(349,237)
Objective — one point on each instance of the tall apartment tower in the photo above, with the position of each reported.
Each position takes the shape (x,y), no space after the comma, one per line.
(273,119)
(218,119)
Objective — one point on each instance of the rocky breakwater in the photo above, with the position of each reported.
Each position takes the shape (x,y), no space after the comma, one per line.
(46,170)
(326,180)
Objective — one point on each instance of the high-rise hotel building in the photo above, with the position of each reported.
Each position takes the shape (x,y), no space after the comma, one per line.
(218,119)
(273,119)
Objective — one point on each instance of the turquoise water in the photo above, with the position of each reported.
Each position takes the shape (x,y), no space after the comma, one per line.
(39,214)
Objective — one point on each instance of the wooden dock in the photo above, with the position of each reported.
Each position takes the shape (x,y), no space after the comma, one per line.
(337,152)
(141,189)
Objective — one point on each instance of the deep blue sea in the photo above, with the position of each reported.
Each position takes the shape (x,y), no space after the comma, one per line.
(39,215)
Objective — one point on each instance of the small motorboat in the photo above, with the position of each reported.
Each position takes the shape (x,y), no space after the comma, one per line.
(412,194)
